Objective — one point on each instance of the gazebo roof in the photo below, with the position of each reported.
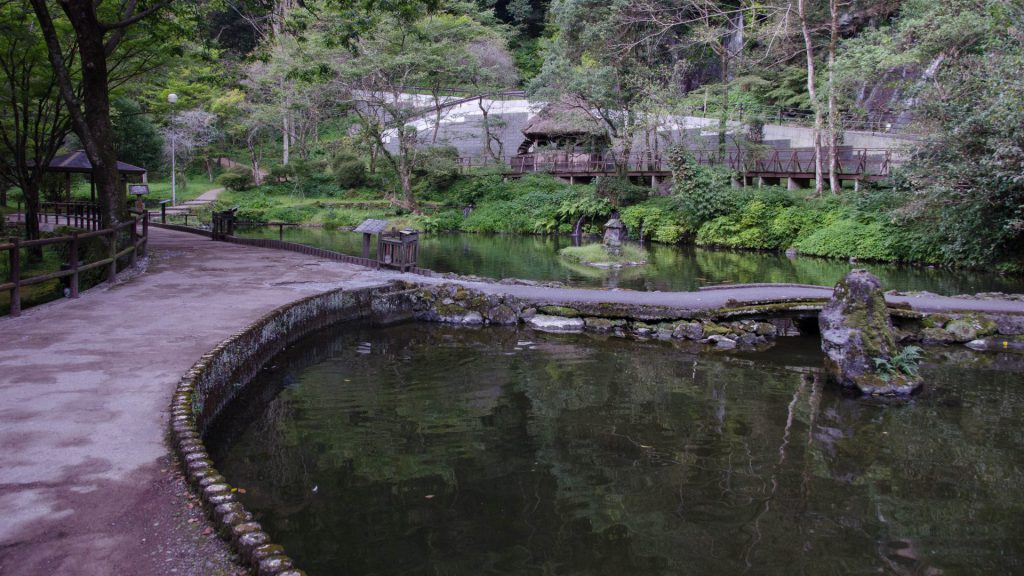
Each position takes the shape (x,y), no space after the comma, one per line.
(78,162)
(563,119)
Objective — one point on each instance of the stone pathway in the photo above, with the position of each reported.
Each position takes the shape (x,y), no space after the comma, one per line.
(86,486)
(85,386)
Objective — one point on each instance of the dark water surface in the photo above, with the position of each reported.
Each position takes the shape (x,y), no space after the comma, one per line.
(669,268)
(433,450)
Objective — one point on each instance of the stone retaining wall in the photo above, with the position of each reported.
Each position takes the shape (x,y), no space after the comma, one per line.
(221,374)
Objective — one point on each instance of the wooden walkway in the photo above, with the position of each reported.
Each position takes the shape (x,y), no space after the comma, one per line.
(793,167)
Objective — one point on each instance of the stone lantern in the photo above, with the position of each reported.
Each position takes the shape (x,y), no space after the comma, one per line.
(614,235)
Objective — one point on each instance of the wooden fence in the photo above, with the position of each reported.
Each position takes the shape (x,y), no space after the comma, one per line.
(84,215)
(866,163)
(123,240)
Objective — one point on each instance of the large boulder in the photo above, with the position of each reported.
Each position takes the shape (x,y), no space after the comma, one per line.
(856,330)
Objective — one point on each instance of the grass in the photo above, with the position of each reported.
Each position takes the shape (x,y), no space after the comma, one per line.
(596,254)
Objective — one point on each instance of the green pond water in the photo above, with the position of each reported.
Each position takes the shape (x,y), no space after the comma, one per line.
(433,450)
(669,268)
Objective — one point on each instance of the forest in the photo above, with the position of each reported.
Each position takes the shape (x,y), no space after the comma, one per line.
(306,111)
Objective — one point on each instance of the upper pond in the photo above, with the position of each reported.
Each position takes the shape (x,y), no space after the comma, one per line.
(670,268)
(427,449)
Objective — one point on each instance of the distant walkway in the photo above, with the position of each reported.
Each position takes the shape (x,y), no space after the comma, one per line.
(85,387)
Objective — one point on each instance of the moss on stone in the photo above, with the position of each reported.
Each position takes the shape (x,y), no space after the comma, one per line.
(564,311)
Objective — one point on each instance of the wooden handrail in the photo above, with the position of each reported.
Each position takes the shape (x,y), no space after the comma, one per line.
(136,247)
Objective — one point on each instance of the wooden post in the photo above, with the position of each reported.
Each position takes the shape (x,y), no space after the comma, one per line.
(366,246)
(145,232)
(135,240)
(112,255)
(74,265)
(16,277)
(163,213)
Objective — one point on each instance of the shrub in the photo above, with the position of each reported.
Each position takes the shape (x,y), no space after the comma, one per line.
(847,237)
(702,192)
(655,219)
(349,171)
(620,191)
(444,221)
(236,179)
(281,172)
(437,167)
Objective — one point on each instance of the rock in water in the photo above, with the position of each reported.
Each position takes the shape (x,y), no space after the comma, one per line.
(855,330)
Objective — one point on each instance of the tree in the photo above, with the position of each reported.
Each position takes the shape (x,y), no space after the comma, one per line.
(805,28)
(35,121)
(405,50)
(96,41)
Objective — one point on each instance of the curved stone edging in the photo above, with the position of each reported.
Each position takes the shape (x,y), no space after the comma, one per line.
(221,374)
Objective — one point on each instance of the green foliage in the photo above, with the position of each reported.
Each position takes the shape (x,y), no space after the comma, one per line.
(702,192)
(585,205)
(620,191)
(768,219)
(136,139)
(236,179)
(526,213)
(906,362)
(444,221)
(596,253)
(847,237)
(437,167)
(656,219)
(349,171)
(282,172)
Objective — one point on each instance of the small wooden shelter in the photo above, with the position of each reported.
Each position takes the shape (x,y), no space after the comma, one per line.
(77,162)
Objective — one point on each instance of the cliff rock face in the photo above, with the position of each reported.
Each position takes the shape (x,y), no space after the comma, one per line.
(855,331)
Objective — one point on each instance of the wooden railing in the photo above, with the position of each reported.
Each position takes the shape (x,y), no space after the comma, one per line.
(84,215)
(133,245)
(852,162)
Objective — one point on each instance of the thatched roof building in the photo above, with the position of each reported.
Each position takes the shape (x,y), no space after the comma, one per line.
(565,125)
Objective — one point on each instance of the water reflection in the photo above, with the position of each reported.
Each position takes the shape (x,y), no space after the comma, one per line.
(458,451)
(669,267)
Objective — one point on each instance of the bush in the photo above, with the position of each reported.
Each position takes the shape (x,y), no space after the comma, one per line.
(656,219)
(437,167)
(621,192)
(445,221)
(847,237)
(703,192)
(349,171)
(281,172)
(236,179)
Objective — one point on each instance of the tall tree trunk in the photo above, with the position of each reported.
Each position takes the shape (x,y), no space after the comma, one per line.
(406,158)
(285,139)
(812,93)
(91,116)
(31,194)
(487,129)
(834,120)
(723,116)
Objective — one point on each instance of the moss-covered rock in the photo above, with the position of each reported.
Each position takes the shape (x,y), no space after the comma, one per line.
(856,332)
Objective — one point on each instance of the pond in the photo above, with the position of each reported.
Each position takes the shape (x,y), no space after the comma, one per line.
(428,449)
(669,268)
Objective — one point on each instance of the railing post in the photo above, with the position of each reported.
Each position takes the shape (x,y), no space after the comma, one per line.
(74,265)
(16,277)
(112,255)
(163,213)
(145,232)
(135,240)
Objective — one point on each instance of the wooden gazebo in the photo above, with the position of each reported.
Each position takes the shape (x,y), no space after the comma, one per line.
(77,162)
